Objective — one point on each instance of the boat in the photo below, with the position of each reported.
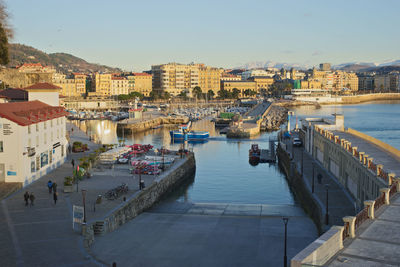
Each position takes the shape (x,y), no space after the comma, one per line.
(191,135)
(254,151)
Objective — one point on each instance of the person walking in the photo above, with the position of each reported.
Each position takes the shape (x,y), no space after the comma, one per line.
(54,187)
(55,197)
(73,163)
(50,186)
(26,198)
(32,198)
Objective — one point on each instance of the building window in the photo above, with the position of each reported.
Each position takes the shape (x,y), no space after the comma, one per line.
(45,125)
(51,123)
(37,141)
(1,146)
(37,127)
(29,129)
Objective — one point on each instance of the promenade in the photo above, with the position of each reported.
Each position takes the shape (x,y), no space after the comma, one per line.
(340,202)
(42,235)
(377,241)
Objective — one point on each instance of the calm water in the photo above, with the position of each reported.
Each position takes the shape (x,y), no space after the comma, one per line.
(223,173)
(377,119)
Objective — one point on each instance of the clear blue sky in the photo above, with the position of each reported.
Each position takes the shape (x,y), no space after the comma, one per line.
(134,34)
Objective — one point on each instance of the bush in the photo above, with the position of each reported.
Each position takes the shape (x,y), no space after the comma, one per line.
(68,180)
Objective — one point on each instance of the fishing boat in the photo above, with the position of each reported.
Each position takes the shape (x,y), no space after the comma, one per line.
(191,135)
(254,151)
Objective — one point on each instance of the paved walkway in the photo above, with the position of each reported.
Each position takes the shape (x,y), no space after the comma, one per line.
(390,162)
(377,242)
(207,234)
(340,203)
(42,235)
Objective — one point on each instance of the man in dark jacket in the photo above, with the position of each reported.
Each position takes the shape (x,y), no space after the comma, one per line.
(26,198)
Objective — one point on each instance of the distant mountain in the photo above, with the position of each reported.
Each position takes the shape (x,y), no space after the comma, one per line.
(63,62)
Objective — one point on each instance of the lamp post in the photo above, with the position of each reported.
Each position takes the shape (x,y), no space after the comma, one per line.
(84,205)
(313,175)
(327,204)
(285,221)
(302,162)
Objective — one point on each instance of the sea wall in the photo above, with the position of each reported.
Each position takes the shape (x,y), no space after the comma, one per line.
(369,97)
(14,78)
(299,189)
(375,141)
(142,200)
(134,127)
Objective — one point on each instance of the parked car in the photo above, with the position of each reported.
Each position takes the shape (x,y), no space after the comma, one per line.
(297,142)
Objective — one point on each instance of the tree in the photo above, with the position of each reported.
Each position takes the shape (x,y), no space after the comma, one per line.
(235,93)
(210,94)
(6,32)
(197,92)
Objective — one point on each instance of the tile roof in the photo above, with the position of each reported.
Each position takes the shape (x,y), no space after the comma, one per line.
(141,74)
(30,112)
(15,94)
(42,86)
(30,65)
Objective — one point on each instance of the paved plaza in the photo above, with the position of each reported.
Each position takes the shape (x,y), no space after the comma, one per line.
(207,234)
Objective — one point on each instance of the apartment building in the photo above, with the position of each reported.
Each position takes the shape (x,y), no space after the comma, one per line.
(32,141)
(103,84)
(209,78)
(119,86)
(242,86)
(366,82)
(140,82)
(342,79)
(262,83)
(80,83)
(71,86)
(258,73)
(175,78)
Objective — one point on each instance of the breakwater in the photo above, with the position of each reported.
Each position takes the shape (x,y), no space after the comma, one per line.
(142,125)
(141,200)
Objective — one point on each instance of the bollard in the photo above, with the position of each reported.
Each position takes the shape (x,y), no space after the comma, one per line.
(351,220)
(386,192)
(397,181)
(379,167)
(361,154)
(371,208)
(391,177)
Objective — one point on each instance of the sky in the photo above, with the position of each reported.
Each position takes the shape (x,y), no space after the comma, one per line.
(134,35)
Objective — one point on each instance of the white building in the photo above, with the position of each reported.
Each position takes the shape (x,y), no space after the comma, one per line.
(119,86)
(32,140)
(45,92)
(260,73)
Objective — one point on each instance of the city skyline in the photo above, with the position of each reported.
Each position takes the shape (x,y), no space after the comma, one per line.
(134,36)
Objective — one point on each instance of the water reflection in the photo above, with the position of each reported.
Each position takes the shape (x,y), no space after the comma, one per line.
(223,173)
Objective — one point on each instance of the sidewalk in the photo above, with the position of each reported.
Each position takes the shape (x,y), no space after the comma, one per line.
(340,203)
(42,235)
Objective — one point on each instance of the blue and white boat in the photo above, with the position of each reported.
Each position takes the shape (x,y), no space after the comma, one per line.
(190,135)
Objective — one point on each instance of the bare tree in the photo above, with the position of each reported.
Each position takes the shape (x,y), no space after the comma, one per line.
(4,20)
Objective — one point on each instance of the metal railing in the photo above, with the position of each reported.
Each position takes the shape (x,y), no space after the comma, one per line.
(380,201)
(346,231)
(393,190)
(361,217)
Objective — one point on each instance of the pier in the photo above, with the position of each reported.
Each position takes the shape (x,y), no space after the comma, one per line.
(364,171)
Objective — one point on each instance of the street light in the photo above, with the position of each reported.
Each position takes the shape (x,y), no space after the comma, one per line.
(285,221)
(313,175)
(327,203)
(84,205)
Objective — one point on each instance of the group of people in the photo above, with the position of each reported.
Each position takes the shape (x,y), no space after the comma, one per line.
(29,196)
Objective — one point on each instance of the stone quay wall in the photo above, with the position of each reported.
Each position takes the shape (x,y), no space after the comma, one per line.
(355,176)
(141,201)
(296,183)
(369,97)
(147,124)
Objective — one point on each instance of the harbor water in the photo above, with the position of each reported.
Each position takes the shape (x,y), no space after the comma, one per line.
(223,173)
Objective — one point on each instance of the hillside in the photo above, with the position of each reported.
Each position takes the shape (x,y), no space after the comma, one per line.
(63,62)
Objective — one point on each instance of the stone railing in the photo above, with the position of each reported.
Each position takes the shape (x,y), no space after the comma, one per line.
(364,159)
(353,223)
(326,246)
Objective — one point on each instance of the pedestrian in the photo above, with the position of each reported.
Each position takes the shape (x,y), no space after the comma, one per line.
(73,163)
(50,186)
(69,149)
(32,198)
(55,197)
(26,198)
(54,187)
